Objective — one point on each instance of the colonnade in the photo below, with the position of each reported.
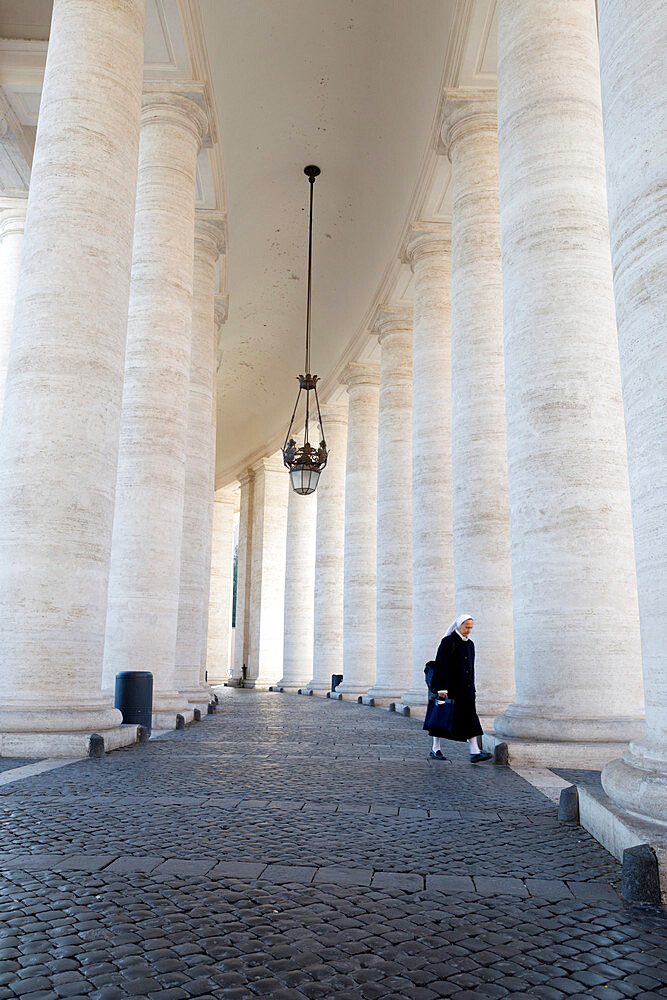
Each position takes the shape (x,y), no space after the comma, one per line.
(107,367)
(481,466)
(487,466)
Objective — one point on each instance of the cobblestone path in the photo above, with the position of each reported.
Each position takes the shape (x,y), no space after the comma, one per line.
(298,848)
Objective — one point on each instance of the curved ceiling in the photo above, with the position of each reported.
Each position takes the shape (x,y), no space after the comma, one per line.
(353,87)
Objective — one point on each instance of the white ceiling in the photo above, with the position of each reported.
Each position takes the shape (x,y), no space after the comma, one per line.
(352,87)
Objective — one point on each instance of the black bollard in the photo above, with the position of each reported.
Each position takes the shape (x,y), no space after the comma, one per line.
(180,721)
(96,745)
(197,717)
(501,754)
(640,878)
(143,736)
(568,806)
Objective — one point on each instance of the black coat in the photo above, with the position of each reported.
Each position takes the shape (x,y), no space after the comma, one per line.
(455,673)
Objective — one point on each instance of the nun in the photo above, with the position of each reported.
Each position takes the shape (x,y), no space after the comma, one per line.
(454,677)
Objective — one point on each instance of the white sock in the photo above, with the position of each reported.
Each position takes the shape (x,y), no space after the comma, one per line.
(436,743)
(474,745)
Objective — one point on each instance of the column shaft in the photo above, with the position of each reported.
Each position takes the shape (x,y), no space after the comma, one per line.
(267,585)
(632,62)
(144,581)
(299,590)
(429,251)
(574,587)
(220,607)
(482,558)
(394,508)
(195,545)
(328,647)
(64,381)
(241,657)
(360,553)
(12,227)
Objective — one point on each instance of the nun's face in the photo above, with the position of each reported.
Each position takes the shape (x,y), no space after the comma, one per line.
(466,627)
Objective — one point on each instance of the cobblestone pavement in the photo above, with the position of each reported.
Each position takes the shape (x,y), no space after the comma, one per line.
(299,848)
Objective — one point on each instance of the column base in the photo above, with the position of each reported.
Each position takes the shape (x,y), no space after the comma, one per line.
(168,720)
(416,696)
(553,753)
(351,691)
(385,694)
(197,698)
(524,724)
(67,744)
(638,782)
(319,690)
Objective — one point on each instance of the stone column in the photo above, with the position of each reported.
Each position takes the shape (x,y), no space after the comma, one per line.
(394,511)
(241,657)
(220,314)
(148,523)
(222,565)
(633,85)
(64,383)
(299,590)
(328,647)
(209,243)
(428,250)
(267,584)
(360,554)
(482,559)
(12,227)
(575,609)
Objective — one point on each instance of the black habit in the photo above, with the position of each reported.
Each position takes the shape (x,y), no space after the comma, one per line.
(455,673)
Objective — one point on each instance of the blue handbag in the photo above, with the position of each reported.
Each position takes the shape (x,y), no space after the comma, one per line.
(440,715)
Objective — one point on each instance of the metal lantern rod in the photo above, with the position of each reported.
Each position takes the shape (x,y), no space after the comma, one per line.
(311,173)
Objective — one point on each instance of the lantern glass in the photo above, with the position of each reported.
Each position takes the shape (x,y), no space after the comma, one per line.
(304,479)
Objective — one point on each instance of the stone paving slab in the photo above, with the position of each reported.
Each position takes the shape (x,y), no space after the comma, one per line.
(189,867)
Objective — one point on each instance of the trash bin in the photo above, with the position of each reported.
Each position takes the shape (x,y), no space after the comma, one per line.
(336,679)
(134,696)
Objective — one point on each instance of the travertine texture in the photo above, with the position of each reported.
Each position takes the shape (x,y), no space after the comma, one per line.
(244,575)
(267,583)
(634,80)
(221,310)
(482,561)
(578,672)
(428,250)
(360,553)
(299,590)
(328,642)
(65,375)
(222,581)
(394,510)
(195,545)
(144,581)
(12,227)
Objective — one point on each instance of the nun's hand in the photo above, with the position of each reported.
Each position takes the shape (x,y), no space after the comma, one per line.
(442,694)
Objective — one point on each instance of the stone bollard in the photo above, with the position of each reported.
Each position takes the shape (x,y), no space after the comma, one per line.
(197,715)
(568,806)
(143,735)
(180,721)
(640,879)
(212,707)
(501,754)
(96,745)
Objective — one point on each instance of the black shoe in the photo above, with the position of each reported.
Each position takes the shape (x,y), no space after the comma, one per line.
(437,755)
(475,758)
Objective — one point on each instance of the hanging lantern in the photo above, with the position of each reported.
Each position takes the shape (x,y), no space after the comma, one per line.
(305,463)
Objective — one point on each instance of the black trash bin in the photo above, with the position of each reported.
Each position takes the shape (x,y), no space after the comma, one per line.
(134,696)
(336,679)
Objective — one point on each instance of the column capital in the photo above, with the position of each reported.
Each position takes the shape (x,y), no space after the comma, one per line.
(426,239)
(270,463)
(247,477)
(12,216)
(465,112)
(389,319)
(360,373)
(228,495)
(168,108)
(210,231)
(334,413)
